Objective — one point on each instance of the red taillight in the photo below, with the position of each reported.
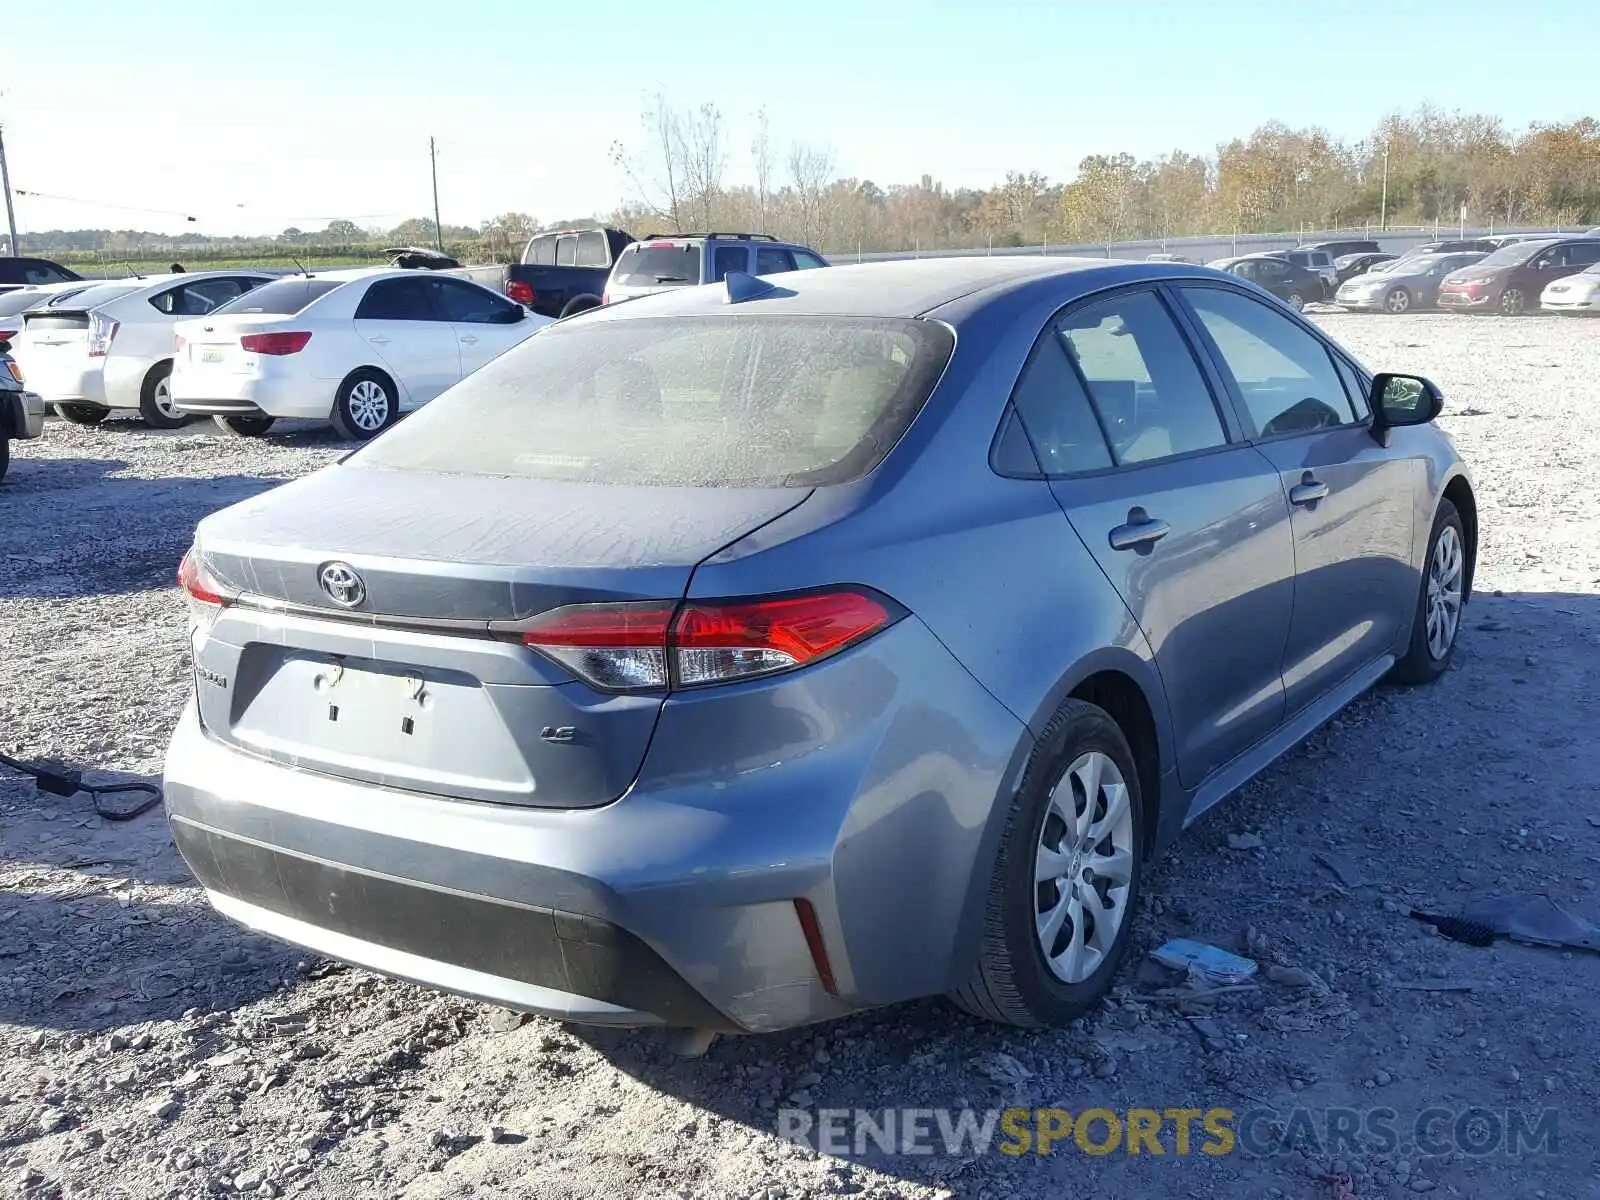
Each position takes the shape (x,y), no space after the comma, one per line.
(520,292)
(7,334)
(663,246)
(652,645)
(274,343)
(819,950)
(196,581)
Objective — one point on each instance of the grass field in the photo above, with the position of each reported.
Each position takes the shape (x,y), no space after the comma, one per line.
(102,266)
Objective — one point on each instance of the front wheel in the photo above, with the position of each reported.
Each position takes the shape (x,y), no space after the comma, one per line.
(1440,600)
(81,414)
(243,424)
(1297,301)
(366,405)
(5,455)
(1066,877)
(1397,301)
(155,400)
(1513,303)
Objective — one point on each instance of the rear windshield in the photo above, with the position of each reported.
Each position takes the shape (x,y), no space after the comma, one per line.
(89,297)
(283,298)
(724,401)
(659,266)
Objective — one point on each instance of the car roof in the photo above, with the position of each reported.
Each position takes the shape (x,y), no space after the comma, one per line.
(898,288)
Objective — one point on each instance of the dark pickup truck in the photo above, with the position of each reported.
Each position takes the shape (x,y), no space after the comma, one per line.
(561,273)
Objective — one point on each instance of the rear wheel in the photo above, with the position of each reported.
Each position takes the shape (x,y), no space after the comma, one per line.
(365,406)
(1513,302)
(1066,877)
(155,399)
(243,424)
(1297,301)
(1397,301)
(81,414)
(5,454)
(580,304)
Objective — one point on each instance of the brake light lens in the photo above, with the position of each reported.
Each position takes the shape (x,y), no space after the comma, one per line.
(102,329)
(274,343)
(520,292)
(7,334)
(205,593)
(654,645)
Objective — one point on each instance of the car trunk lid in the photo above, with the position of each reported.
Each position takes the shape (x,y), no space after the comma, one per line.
(408,686)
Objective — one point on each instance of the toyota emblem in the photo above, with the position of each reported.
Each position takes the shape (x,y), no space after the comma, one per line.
(341,584)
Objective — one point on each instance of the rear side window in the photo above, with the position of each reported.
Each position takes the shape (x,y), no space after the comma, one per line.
(734,401)
(591,249)
(567,251)
(282,297)
(409,299)
(200,297)
(37,273)
(1144,382)
(1284,374)
(772,261)
(541,252)
(659,264)
(807,262)
(729,258)
(1056,412)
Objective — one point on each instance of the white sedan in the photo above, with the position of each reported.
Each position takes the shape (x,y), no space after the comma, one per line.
(109,346)
(356,348)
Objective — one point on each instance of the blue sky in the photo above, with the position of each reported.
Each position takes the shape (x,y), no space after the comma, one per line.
(255,117)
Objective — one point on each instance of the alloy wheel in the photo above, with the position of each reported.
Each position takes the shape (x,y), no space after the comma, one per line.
(1512,302)
(1083,867)
(1444,592)
(1398,300)
(161,394)
(369,405)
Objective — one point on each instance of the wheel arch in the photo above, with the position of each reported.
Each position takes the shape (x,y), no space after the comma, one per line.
(371,369)
(582,302)
(1458,490)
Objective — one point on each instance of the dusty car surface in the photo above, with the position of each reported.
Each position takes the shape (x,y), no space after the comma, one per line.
(761,652)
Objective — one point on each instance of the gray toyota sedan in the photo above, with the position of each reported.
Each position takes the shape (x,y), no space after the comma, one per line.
(762,652)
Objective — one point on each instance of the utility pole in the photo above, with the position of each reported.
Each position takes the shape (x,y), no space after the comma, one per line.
(5,181)
(1383,210)
(433,163)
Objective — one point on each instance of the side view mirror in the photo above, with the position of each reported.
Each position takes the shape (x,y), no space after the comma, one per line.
(1400,400)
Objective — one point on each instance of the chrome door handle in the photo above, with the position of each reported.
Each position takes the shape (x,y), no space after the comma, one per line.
(1308,492)
(469,341)
(377,341)
(1140,533)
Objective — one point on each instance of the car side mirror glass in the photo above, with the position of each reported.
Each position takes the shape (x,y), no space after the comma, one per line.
(1401,400)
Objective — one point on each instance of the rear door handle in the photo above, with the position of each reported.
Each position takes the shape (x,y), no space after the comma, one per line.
(468,340)
(378,341)
(1308,491)
(1141,532)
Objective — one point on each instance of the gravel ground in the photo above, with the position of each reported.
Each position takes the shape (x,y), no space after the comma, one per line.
(148,1048)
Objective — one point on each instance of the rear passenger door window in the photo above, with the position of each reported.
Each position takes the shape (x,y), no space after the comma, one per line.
(772,261)
(409,299)
(1145,386)
(728,258)
(1285,375)
(1055,410)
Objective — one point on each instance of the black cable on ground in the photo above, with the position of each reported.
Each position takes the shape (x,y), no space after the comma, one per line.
(70,783)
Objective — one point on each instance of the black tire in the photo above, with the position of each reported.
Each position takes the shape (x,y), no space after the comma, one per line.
(1296,301)
(81,414)
(5,454)
(155,400)
(1422,664)
(1513,302)
(243,424)
(1012,983)
(580,304)
(1397,301)
(354,417)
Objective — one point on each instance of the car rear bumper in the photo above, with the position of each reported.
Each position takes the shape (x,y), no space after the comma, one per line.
(26,419)
(864,787)
(251,395)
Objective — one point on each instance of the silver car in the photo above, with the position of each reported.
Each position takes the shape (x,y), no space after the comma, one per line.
(1401,286)
(754,654)
(661,262)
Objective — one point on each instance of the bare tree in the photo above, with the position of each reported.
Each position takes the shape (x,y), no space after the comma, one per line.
(810,170)
(704,155)
(761,151)
(657,174)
